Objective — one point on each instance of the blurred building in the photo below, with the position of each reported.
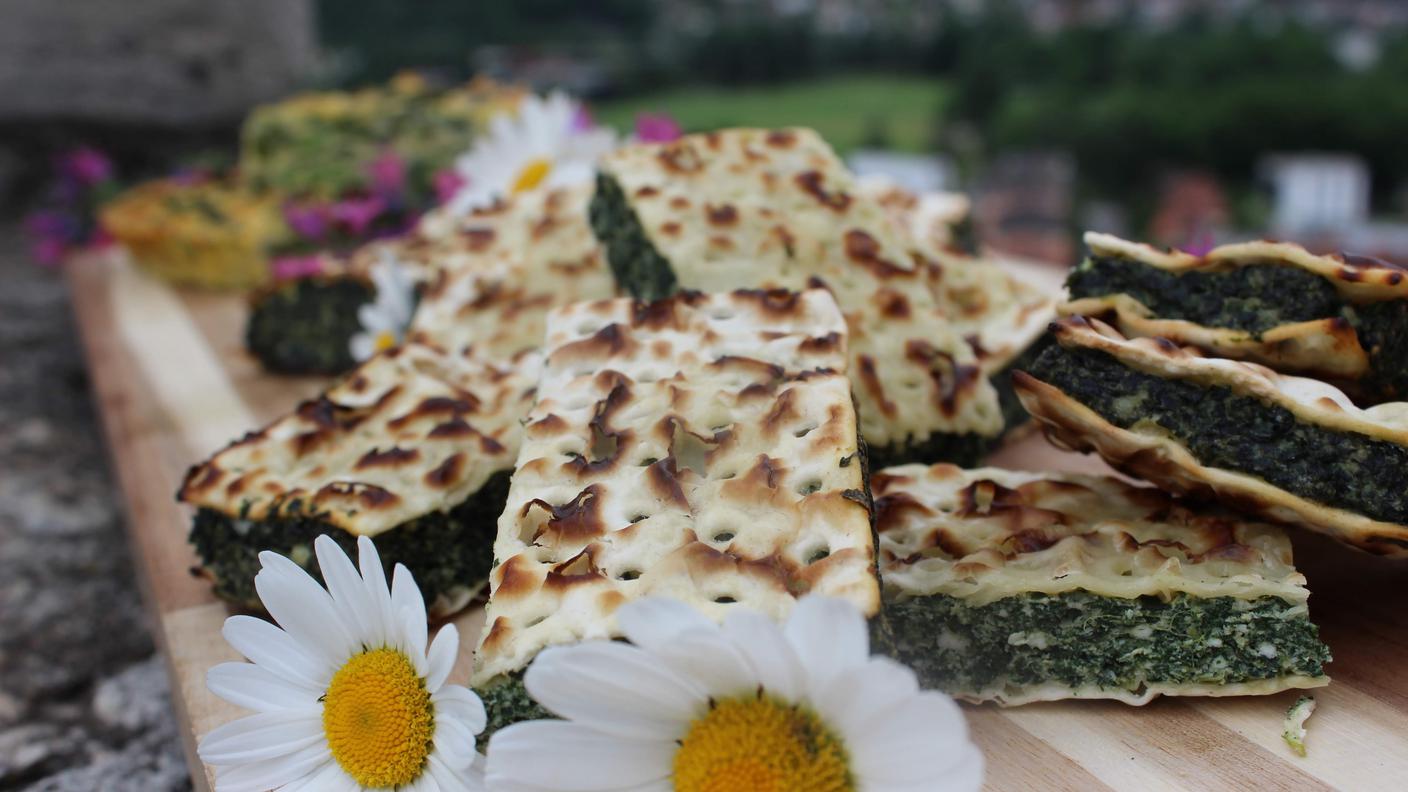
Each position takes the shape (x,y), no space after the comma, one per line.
(1023,205)
(165,62)
(1323,202)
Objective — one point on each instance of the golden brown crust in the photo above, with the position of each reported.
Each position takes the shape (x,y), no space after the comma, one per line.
(702,447)
(410,431)
(989,533)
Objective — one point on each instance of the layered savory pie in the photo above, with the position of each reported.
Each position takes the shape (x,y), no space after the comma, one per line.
(1018,587)
(1274,303)
(1291,449)
(703,448)
(758,208)
(413,449)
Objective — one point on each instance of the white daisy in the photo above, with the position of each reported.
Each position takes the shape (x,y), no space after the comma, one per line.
(346,695)
(692,706)
(385,319)
(545,144)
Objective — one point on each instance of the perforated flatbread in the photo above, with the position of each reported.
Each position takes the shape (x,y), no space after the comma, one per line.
(1149,451)
(750,208)
(412,430)
(544,255)
(987,535)
(1326,347)
(703,447)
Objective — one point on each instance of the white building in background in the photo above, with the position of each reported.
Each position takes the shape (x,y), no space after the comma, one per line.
(1316,194)
(918,173)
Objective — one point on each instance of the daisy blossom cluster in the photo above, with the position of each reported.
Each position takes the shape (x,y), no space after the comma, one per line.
(348,697)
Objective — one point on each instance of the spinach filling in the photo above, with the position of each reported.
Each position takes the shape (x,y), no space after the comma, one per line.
(305,327)
(1257,298)
(966,450)
(506,702)
(443,550)
(635,262)
(1227,430)
(1083,639)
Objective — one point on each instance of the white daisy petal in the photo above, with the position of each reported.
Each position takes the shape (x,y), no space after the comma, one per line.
(653,622)
(262,736)
(921,738)
(374,578)
(408,604)
(583,760)
(304,610)
(440,660)
(454,743)
(771,657)
(864,693)
(831,634)
(259,776)
(272,649)
(616,688)
(349,595)
(362,346)
(330,778)
(255,687)
(713,661)
(461,703)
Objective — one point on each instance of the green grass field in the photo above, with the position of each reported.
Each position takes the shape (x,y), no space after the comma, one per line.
(845,110)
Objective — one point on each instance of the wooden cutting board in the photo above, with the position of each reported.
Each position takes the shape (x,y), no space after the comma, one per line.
(173,383)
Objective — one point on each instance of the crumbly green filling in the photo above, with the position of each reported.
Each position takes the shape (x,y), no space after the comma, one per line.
(1257,298)
(444,550)
(965,450)
(1224,429)
(305,326)
(506,702)
(1083,639)
(635,262)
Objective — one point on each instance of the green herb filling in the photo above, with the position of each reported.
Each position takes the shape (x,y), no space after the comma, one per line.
(635,262)
(1257,298)
(1227,430)
(506,702)
(1079,639)
(306,326)
(443,550)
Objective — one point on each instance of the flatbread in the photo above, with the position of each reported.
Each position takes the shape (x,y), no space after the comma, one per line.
(703,447)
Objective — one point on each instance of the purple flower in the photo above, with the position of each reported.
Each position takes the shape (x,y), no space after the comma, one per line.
(448,184)
(657,128)
(48,224)
(295,267)
(86,166)
(388,174)
(48,251)
(357,214)
(582,120)
(1199,244)
(309,221)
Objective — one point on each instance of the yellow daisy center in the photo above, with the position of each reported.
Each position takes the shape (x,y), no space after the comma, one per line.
(760,744)
(532,174)
(379,720)
(384,340)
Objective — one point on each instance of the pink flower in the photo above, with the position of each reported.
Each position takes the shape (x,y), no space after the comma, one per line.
(295,267)
(86,166)
(48,251)
(47,224)
(388,174)
(582,120)
(448,183)
(1199,244)
(657,128)
(357,214)
(309,221)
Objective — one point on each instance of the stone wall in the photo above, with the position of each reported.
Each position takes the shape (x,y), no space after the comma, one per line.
(150,62)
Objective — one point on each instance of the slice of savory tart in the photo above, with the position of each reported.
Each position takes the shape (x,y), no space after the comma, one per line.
(1018,587)
(413,449)
(1289,449)
(759,208)
(702,447)
(1338,317)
